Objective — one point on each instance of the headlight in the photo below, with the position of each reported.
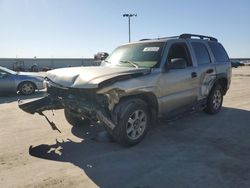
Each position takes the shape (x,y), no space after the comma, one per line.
(39,79)
(45,83)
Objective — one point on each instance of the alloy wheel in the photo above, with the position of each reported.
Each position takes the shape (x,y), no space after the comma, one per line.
(136,124)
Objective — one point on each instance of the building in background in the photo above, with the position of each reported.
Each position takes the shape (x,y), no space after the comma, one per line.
(26,64)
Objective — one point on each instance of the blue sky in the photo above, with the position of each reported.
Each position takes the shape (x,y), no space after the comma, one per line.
(80,28)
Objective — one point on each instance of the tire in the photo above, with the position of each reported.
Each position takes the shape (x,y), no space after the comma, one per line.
(133,122)
(214,100)
(75,120)
(27,88)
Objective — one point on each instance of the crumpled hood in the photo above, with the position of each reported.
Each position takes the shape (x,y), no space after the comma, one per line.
(89,77)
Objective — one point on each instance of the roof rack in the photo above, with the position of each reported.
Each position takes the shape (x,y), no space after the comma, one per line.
(185,36)
(189,36)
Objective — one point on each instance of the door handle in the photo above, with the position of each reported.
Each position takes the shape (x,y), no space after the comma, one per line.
(210,71)
(194,74)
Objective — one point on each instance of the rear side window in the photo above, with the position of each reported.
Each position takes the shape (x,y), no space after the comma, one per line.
(219,52)
(201,53)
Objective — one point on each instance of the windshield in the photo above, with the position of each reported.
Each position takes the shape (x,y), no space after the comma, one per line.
(145,55)
(8,70)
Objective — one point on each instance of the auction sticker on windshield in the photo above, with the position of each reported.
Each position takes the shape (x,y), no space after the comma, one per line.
(151,49)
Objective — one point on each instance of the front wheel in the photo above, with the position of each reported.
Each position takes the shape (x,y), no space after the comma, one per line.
(27,88)
(75,120)
(133,122)
(214,101)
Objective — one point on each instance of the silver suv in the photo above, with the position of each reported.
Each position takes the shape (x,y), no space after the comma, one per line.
(140,82)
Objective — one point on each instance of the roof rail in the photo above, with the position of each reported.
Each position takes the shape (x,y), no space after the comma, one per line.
(160,38)
(144,39)
(185,36)
(172,37)
(189,36)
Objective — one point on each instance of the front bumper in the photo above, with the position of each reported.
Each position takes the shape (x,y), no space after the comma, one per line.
(53,103)
(40,105)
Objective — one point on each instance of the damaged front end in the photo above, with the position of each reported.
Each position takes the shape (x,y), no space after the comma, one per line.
(89,92)
(86,103)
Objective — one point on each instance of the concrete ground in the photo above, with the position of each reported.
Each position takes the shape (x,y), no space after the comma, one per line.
(197,150)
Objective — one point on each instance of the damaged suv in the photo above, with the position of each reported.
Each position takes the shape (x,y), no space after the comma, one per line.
(140,82)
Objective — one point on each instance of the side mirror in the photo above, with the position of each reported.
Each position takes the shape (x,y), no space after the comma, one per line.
(177,63)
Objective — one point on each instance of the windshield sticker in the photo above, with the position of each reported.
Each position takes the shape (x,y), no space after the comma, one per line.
(151,49)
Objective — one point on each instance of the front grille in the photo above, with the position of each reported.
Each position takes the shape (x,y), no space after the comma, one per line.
(78,98)
(56,90)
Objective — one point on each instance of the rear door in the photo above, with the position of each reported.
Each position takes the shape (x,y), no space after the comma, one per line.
(205,67)
(178,87)
(221,60)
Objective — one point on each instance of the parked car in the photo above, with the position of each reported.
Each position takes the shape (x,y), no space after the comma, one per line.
(140,82)
(22,82)
(236,64)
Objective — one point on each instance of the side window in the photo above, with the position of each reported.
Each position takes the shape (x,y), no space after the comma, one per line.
(179,50)
(201,53)
(219,52)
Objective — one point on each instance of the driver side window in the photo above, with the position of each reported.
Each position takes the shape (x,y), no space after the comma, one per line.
(179,50)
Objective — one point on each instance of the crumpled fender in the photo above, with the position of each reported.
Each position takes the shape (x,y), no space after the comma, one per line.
(134,86)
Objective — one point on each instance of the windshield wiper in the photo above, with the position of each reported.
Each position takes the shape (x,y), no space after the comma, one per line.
(130,62)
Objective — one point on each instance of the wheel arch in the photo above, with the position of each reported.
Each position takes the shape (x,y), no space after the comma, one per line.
(150,99)
(223,82)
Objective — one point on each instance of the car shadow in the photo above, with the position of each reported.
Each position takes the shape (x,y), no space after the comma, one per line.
(197,150)
(10,97)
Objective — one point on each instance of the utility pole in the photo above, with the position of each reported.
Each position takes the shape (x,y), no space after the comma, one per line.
(129,16)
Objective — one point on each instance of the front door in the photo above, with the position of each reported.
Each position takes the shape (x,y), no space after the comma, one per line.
(179,86)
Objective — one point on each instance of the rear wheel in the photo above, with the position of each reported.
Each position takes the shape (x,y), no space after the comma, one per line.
(27,88)
(133,122)
(214,101)
(75,120)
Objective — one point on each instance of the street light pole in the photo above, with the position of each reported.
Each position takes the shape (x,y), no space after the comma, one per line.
(129,37)
(129,32)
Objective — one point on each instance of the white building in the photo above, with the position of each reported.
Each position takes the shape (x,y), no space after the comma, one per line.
(27,63)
